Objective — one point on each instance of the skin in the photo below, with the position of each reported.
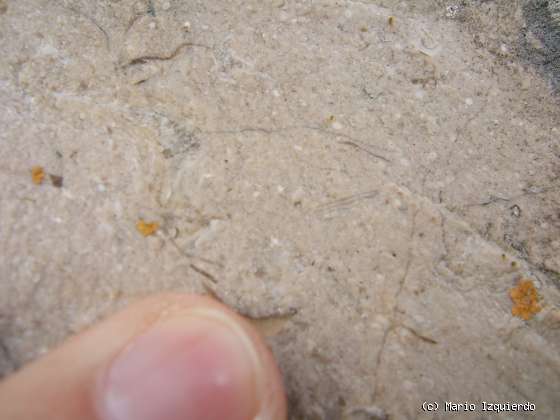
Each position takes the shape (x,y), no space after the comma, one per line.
(65,384)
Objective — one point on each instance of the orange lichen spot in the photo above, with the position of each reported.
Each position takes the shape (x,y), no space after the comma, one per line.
(147,228)
(37,175)
(525,300)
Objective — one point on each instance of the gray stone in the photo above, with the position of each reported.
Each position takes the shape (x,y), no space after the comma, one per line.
(311,164)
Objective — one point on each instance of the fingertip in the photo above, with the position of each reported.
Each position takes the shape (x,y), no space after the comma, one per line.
(122,361)
(203,362)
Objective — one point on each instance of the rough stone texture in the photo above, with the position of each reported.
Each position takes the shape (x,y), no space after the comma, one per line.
(372,190)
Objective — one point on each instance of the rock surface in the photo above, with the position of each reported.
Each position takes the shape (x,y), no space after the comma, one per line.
(367,180)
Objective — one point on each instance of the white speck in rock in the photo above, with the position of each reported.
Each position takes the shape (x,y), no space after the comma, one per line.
(152,25)
(42,350)
(469,101)
(432,156)
(298,195)
(452,10)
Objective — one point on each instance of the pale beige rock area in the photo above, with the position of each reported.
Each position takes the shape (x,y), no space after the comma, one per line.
(367,189)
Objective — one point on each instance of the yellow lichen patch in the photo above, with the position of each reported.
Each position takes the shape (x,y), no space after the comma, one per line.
(147,228)
(525,300)
(37,175)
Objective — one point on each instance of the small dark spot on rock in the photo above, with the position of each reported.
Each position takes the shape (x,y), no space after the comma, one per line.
(341,401)
(394,254)
(56,180)
(419,291)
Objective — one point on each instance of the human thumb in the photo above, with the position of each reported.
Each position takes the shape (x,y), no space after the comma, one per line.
(170,357)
